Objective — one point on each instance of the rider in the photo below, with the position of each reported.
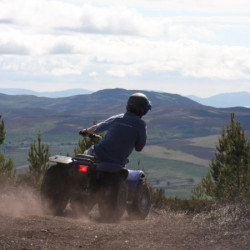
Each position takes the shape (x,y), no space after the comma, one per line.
(124,132)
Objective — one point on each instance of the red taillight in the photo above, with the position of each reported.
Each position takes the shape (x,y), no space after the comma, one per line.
(83,168)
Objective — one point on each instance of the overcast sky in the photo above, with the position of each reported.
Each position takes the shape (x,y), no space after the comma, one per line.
(187,47)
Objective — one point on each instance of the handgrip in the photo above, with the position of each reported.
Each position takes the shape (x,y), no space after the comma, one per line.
(85,133)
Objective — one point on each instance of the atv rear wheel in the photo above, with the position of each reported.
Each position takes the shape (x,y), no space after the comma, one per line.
(141,203)
(54,193)
(113,201)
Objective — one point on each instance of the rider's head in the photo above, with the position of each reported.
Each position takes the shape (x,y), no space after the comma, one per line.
(138,104)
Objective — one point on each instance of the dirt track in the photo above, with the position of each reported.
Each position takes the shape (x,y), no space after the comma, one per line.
(24,226)
(156,232)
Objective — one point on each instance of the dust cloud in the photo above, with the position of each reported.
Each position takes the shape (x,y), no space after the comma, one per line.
(22,201)
(19,202)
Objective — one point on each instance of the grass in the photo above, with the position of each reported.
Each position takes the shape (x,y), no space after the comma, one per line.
(163,153)
(177,178)
(207,141)
(232,216)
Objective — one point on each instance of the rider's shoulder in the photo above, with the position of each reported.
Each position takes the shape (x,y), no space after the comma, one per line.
(111,118)
(134,118)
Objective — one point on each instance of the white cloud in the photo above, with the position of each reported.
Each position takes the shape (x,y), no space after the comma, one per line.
(214,6)
(62,48)
(42,14)
(92,74)
(12,48)
(116,43)
(123,71)
(49,15)
(65,71)
(124,58)
(117,20)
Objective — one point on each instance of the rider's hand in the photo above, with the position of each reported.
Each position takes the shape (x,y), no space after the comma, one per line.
(92,129)
(87,131)
(84,132)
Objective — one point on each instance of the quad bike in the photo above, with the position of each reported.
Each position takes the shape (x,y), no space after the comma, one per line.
(83,181)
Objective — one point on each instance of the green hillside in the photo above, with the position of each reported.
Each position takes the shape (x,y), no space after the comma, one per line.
(181,133)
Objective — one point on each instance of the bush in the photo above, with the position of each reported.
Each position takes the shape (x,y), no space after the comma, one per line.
(7,170)
(39,163)
(160,201)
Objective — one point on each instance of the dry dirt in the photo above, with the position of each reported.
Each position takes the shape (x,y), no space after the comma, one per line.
(24,226)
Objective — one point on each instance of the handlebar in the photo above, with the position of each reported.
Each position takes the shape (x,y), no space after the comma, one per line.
(85,133)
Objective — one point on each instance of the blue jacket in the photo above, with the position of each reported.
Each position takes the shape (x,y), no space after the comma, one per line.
(124,132)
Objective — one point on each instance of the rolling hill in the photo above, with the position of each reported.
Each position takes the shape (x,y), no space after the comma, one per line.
(181,133)
(239,99)
(55,94)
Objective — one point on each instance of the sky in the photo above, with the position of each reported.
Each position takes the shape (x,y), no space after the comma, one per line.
(187,47)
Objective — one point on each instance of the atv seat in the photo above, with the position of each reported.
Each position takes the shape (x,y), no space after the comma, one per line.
(109,166)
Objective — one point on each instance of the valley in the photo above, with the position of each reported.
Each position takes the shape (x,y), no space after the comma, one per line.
(182,134)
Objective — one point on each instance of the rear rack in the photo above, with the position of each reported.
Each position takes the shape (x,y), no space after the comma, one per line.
(86,157)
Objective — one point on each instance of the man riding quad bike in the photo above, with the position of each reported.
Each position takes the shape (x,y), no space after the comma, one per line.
(99,175)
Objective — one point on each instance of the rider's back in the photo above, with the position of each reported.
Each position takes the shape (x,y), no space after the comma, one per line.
(124,132)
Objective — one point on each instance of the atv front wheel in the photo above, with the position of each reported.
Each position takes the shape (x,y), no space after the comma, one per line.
(141,203)
(54,193)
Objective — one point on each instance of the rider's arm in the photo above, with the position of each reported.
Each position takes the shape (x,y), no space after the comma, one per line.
(100,127)
(142,138)
(91,129)
(103,126)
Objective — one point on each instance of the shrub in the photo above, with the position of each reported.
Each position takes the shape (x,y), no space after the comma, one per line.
(7,170)
(39,163)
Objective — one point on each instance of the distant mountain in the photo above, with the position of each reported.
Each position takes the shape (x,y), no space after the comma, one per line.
(56,94)
(172,116)
(102,101)
(237,99)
